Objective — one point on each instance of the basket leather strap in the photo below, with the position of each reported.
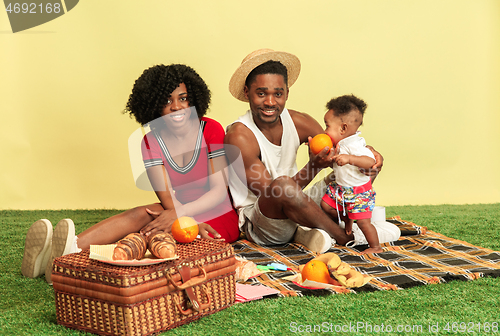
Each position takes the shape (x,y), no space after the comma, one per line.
(187,286)
(190,282)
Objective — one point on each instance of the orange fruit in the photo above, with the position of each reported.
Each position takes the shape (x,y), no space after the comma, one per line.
(319,142)
(185,229)
(316,270)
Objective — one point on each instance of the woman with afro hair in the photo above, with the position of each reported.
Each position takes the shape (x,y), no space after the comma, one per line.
(185,162)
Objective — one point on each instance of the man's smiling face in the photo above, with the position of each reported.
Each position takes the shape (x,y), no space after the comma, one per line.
(267,96)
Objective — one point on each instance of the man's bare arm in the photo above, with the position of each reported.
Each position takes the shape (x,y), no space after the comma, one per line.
(307,127)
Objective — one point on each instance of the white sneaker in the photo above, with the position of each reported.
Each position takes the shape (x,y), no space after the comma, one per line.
(359,237)
(386,232)
(37,247)
(316,240)
(62,240)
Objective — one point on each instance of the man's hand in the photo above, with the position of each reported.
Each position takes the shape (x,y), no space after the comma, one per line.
(377,167)
(323,159)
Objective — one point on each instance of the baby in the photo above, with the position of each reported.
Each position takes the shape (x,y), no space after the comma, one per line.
(352,190)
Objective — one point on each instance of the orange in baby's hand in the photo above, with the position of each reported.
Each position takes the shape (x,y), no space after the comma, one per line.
(316,270)
(319,142)
(185,229)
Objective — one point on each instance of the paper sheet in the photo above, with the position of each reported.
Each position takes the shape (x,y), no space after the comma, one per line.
(246,293)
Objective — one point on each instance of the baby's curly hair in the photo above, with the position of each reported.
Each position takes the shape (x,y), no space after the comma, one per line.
(344,104)
(153,88)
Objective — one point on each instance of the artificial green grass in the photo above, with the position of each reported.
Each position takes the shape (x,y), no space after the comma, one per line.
(27,305)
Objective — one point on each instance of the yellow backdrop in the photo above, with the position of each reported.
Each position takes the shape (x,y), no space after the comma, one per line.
(428,70)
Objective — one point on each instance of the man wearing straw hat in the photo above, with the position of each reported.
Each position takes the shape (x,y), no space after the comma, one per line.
(268,190)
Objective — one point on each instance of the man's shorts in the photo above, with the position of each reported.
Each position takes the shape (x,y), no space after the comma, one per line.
(268,231)
(358,201)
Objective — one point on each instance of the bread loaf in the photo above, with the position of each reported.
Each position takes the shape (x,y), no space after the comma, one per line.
(162,245)
(132,247)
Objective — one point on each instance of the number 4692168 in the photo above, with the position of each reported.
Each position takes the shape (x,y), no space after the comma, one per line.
(33,8)
(472,327)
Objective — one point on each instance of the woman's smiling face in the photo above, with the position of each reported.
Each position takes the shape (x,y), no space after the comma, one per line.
(177,110)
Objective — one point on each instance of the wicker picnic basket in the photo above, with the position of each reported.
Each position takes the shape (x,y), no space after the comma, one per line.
(122,300)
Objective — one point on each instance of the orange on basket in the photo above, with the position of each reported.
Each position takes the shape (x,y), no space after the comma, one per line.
(185,229)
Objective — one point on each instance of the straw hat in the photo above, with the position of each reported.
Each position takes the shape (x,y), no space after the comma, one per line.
(256,58)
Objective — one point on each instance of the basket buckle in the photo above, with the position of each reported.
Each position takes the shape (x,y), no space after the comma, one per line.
(187,285)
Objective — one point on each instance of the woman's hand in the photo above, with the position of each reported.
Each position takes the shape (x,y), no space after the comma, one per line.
(162,221)
(206,229)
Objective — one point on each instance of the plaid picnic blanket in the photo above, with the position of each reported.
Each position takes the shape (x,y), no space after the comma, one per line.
(419,257)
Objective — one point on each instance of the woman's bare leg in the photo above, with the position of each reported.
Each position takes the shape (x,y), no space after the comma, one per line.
(114,228)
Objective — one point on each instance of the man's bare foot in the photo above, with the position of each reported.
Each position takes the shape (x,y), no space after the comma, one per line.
(376,249)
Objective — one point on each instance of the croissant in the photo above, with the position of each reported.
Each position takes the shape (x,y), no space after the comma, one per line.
(133,246)
(162,245)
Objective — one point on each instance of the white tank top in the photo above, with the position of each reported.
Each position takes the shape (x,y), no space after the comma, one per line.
(279,160)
